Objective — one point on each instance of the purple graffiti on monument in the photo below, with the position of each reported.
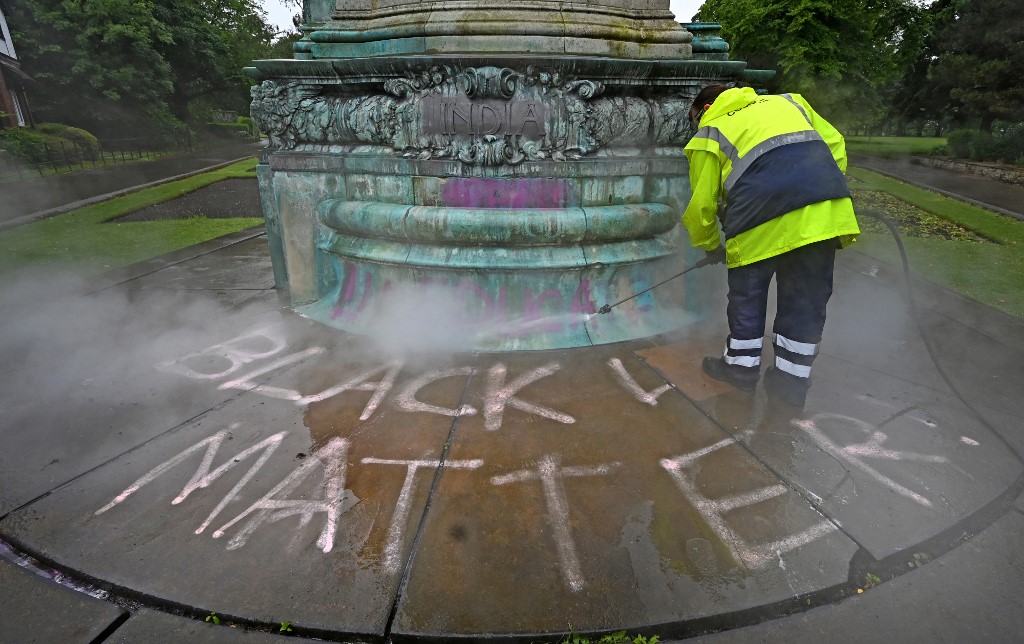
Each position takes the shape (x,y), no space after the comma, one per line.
(548,311)
(505,193)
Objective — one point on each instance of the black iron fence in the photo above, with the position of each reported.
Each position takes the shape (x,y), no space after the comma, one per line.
(68,156)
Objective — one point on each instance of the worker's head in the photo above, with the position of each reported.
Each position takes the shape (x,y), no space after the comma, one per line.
(702,102)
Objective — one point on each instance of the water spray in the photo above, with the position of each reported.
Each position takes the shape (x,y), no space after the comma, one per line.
(704,262)
(930,348)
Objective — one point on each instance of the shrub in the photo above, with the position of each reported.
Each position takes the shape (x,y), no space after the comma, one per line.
(1007,145)
(22,143)
(1011,143)
(78,135)
(959,142)
(88,143)
(36,146)
(8,161)
(985,147)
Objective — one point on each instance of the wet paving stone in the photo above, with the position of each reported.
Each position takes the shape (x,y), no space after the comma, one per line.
(241,266)
(305,479)
(894,464)
(968,595)
(228,456)
(155,627)
(563,523)
(34,609)
(93,395)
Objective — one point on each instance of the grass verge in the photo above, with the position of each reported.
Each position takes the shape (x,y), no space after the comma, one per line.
(893,146)
(79,239)
(990,272)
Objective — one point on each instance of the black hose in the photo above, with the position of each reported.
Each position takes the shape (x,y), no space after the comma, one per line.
(932,352)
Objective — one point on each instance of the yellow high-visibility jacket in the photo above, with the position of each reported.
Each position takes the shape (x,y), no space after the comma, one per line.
(772,170)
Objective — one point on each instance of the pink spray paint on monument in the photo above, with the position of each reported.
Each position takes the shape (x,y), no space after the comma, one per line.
(503,193)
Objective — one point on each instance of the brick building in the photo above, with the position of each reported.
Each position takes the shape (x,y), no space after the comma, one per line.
(14,111)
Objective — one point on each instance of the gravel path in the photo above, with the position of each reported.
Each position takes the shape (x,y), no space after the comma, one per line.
(227,198)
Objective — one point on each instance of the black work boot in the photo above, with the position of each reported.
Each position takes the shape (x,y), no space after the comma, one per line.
(786,388)
(744,378)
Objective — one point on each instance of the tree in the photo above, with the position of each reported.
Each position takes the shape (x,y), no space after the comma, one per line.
(921,96)
(283,47)
(211,41)
(123,65)
(94,62)
(841,55)
(980,59)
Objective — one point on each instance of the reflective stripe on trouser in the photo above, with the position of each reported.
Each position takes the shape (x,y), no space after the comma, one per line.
(794,357)
(743,353)
(804,279)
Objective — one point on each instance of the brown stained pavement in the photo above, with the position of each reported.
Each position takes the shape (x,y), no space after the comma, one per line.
(515,495)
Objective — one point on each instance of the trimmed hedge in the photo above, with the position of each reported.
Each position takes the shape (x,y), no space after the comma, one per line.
(1006,146)
(31,144)
(83,138)
(22,143)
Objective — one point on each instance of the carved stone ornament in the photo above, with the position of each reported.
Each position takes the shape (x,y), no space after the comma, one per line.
(479,115)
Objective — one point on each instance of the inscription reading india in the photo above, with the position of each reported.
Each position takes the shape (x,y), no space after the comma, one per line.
(461,116)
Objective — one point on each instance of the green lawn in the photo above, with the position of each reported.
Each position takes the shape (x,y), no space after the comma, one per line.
(991,272)
(893,146)
(81,241)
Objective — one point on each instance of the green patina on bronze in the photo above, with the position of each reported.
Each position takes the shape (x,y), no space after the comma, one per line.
(513,158)
(707,41)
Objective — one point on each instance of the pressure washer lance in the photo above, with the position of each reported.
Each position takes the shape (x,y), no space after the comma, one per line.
(704,262)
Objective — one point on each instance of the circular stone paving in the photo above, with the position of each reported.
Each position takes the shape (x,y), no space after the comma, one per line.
(244,461)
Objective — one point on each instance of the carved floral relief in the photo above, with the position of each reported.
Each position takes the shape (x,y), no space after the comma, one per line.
(479,115)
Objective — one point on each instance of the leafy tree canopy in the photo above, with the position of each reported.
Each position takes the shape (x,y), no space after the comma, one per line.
(841,55)
(114,66)
(917,97)
(979,59)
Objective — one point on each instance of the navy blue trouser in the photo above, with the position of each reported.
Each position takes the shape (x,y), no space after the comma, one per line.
(803,279)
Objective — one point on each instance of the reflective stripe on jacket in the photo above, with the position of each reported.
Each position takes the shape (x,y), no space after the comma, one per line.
(771,169)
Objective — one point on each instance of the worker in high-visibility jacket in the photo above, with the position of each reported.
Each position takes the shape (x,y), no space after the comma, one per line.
(772,171)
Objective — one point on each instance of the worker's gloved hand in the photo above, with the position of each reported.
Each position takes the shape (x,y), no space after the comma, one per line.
(716,256)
